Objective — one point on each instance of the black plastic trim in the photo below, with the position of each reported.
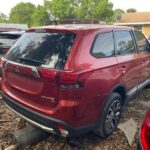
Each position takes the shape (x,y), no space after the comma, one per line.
(46,121)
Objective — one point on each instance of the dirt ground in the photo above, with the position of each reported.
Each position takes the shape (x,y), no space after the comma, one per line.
(136,109)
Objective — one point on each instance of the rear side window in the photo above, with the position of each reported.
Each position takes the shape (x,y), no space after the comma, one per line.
(142,42)
(103,45)
(124,42)
(42,49)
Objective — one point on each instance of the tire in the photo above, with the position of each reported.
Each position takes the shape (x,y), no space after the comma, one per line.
(110,116)
(148,86)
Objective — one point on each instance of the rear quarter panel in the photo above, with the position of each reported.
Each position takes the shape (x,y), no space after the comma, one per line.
(91,98)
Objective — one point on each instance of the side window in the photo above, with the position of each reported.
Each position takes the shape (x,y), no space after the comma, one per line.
(124,42)
(103,45)
(142,42)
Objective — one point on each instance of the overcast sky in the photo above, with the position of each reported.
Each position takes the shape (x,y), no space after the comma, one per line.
(140,5)
(6,5)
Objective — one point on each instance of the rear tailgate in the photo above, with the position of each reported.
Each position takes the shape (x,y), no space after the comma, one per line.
(22,84)
(29,75)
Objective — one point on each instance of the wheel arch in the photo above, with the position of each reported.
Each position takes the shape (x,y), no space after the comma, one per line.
(120,89)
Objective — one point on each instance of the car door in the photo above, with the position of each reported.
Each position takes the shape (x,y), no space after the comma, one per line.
(128,59)
(144,51)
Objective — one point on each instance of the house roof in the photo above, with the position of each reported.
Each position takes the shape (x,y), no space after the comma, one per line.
(135,18)
(10,26)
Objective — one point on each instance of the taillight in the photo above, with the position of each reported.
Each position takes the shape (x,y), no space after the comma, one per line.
(145,133)
(66,79)
(48,74)
(73,80)
(5,50)
(2,64)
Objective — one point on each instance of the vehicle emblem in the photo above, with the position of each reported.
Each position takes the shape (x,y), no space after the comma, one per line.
(17,69)
(49,98)
(35,72)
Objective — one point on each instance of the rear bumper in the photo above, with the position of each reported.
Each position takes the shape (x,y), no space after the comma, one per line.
(45,122)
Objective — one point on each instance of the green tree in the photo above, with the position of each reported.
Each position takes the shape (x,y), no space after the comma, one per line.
(60,9)
(3,18)
(104,10)
(40,16)
(80,9)
(118,13)
(22,13)
(96,9)
(131,10)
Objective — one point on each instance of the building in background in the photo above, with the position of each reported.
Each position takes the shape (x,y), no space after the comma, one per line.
(12,27)
(138,20)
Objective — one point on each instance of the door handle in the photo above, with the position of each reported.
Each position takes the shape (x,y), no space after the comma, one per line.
(143,61)
(123,69)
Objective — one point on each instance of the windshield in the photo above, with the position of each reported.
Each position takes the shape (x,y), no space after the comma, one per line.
(42,49)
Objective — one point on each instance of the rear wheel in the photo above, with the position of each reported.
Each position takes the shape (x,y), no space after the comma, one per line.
(110,116)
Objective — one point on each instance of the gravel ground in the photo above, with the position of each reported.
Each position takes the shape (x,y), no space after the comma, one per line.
(136,109)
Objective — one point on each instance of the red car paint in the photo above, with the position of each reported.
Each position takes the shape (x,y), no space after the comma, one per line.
(97,77)
(144,142)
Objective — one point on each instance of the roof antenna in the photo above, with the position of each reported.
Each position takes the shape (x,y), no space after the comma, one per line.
(52,18)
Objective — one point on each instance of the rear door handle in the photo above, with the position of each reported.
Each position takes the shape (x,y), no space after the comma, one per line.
(123,68)
(143,61)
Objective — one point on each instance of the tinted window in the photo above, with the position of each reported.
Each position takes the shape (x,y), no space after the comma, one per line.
(103,45)
(142,42)
(42,49)
(8,39)
(124,42)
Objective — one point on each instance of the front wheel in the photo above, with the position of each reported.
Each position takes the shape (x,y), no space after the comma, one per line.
(110,116)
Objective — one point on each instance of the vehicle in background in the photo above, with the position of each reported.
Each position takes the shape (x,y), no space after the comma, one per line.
(12,27)
(144,136)
(7,39)
(71,79)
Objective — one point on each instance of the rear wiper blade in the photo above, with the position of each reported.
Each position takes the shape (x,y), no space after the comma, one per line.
(29,59)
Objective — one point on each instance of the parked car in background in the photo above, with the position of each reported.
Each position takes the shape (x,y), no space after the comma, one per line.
(144,136)
(71,79)
(7,39)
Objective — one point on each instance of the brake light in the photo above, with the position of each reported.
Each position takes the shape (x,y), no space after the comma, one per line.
(72,79)
(5,50)
(66,79)
(48,74)
(145,133)
(2,64)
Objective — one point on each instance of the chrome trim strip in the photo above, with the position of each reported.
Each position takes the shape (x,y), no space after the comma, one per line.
(143,84)
(33,68)
(63,132)
(18,64)
(132,91)
(138,87)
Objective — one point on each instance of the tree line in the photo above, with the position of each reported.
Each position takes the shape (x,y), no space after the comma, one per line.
(28,13)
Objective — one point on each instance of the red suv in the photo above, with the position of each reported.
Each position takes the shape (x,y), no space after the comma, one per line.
(70,79)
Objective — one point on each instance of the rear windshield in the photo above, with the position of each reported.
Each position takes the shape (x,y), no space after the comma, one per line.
(42,49)
(8,39)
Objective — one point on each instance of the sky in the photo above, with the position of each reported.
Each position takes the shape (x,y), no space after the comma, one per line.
(6,5)
(139,5)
